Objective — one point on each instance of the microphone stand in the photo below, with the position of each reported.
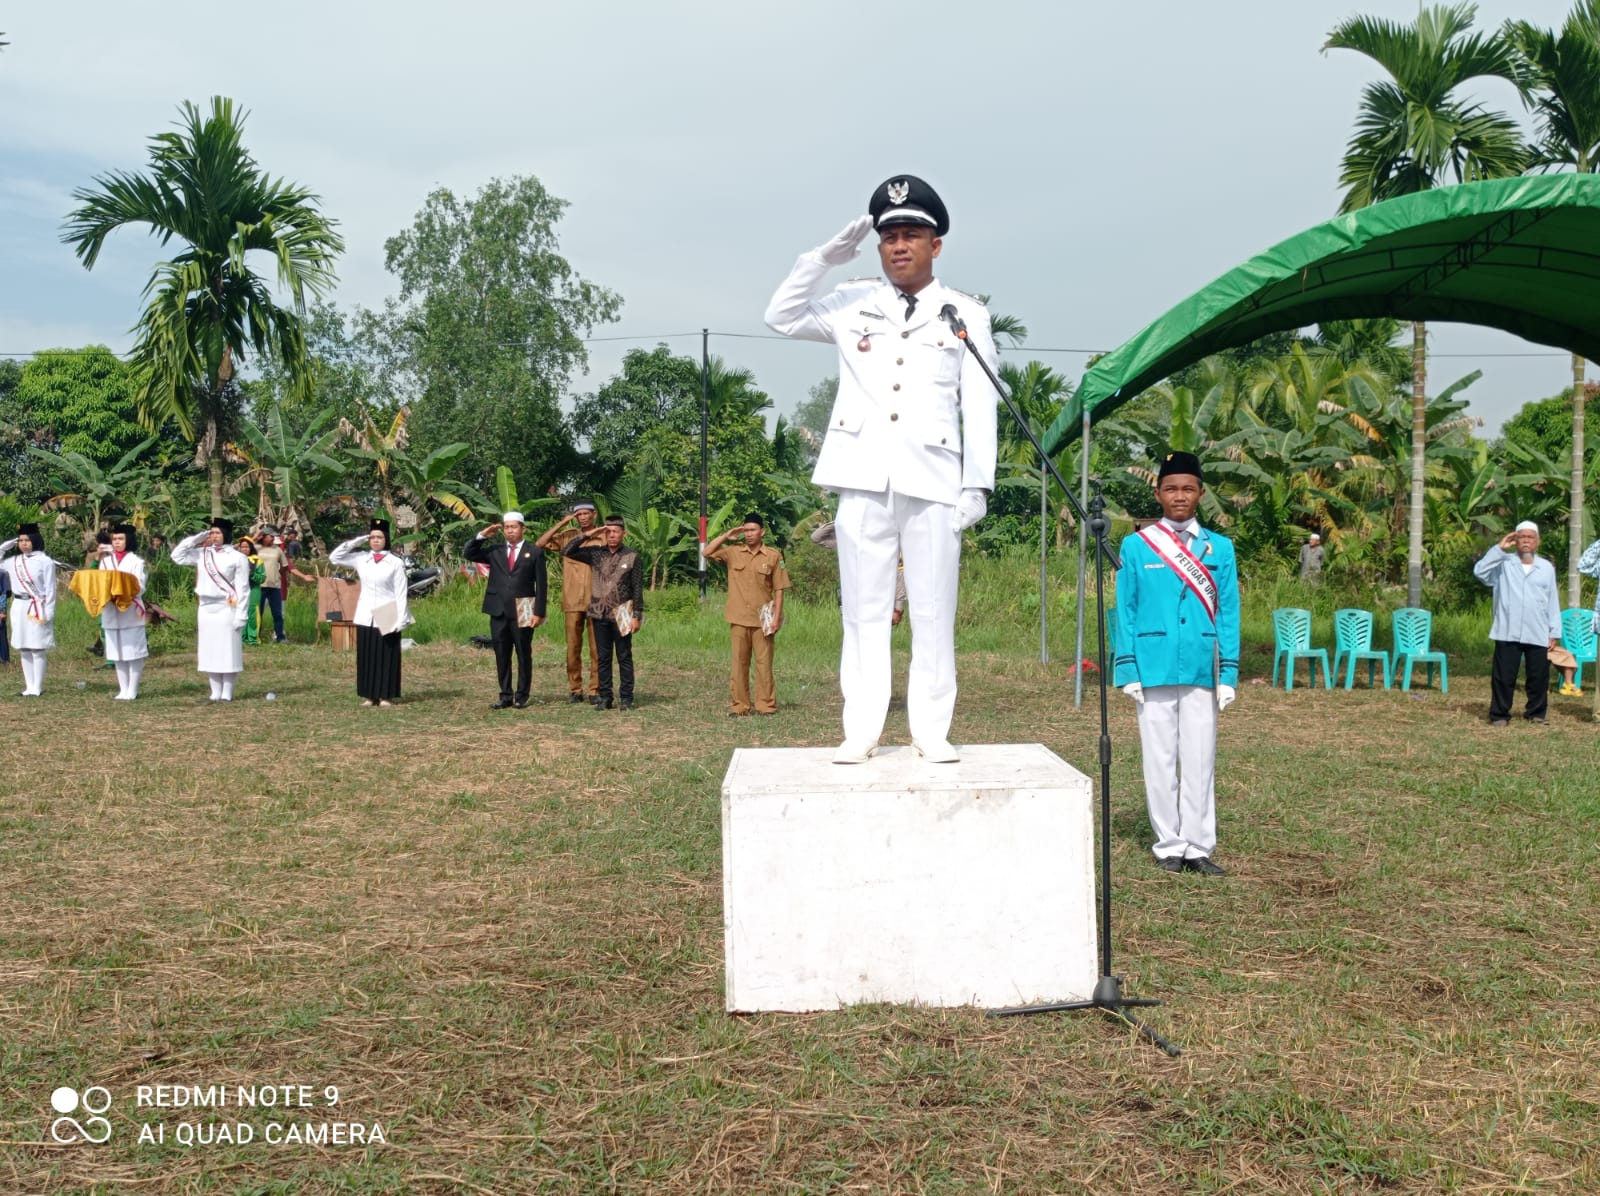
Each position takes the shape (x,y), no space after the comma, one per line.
(1108,995)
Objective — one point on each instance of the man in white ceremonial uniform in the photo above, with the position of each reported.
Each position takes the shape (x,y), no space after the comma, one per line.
(222,584)
(123,630)
(910,450)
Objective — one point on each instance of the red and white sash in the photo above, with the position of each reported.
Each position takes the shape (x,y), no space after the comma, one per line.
(1196,576)
(209,558)
(31,589)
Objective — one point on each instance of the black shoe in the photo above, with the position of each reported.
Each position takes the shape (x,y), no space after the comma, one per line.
(1172,863)
(595,701)
(736,713)
(574,699)
(502,704)
(627,703)
(521,703)
(1204,866)
(1539,719)
(1499,722)
(765,713)
(604,704)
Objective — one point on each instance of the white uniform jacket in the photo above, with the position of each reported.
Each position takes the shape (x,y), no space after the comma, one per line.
(915,414)
(220,574)
(111,618)
(32,615)
(381,581)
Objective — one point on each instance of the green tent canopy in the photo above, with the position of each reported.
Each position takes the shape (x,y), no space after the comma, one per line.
(1521,254)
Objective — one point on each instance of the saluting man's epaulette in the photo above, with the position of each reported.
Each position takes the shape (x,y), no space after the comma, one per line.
(964,295)
(865,278)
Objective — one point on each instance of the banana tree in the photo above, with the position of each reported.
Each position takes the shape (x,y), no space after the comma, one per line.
(89,492)
(292,475)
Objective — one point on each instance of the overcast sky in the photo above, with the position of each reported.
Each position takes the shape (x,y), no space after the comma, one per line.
(1100,161)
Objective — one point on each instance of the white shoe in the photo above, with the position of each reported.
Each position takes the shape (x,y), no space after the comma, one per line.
(855,751)
(937,751)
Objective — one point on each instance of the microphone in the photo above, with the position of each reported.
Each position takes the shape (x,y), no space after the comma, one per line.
(950,316)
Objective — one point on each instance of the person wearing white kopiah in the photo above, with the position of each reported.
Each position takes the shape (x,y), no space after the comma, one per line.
(910,450)
(123,629)
(222,584)
(32,616)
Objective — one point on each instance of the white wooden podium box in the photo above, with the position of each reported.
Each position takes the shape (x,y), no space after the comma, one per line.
(902,881)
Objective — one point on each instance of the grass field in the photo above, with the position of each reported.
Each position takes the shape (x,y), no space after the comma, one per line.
(498,934)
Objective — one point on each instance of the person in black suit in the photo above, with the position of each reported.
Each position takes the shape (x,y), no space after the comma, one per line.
(516,570)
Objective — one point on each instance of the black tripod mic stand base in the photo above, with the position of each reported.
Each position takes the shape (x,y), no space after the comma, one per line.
(1107,997)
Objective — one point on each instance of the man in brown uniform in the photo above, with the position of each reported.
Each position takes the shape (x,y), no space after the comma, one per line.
(575,595)
(756,576)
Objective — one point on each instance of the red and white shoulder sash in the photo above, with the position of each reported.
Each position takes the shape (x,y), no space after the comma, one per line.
(30,587)
(208,557)
(1164,542)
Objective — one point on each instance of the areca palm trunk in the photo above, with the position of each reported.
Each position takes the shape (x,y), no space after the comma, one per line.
(1419,452)
(1575,542)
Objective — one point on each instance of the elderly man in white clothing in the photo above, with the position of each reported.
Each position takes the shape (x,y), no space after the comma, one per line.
(910,449)
(1526,622)
(222,584)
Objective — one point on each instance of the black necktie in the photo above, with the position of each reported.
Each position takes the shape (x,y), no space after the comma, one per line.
(911,305)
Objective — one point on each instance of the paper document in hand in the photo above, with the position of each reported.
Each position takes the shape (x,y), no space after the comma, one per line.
(386,618)
(625,619)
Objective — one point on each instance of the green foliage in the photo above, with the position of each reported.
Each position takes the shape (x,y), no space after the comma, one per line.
(294,476)
(488,329)
(207,309)
(90,494)
(1413,131)
(80,401)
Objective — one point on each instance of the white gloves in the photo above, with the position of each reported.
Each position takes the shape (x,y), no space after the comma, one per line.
(847,245)
(970,507)
(1135,691)
(1225,696)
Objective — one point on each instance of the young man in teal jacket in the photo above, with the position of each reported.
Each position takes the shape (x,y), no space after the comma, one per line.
(1178,659)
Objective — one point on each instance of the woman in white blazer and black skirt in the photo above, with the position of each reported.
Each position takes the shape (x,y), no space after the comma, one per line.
(383,585)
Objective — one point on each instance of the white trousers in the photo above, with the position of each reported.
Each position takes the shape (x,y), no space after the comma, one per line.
(874,532)
(129,673)
(33,665)
(1178,740)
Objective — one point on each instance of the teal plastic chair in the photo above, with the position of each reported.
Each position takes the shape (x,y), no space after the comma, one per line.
(1413,645)
(1352,642)
(1291,633)
(1578,637)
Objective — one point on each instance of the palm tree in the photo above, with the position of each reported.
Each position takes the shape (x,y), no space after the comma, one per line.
(1414,132)
(1561,83)
(206,307)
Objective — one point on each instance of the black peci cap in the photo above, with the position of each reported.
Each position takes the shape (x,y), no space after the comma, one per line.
(906,199)
(380,525)
(1181,463)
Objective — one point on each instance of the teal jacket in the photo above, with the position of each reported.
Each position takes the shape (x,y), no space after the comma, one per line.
(1164,636)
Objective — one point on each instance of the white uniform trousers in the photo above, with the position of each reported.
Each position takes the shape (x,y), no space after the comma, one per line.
(1178,741)
(874,531)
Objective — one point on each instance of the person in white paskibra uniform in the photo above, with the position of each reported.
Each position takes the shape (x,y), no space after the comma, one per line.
(31,618)
(127,644)
(222,584)
(910,450)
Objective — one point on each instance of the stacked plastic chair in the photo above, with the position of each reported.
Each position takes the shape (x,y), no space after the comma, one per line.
(1291,633)
(1352,642)
(1578,637)
(1413,645)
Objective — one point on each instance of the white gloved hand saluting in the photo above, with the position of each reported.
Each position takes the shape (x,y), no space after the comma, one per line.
(1225,696)
(971,507)
(846,247)
(1135,691)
